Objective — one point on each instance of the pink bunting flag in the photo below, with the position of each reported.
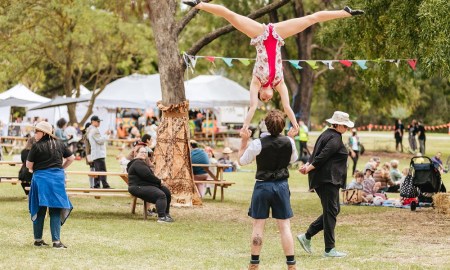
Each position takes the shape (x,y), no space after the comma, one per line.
(346,63)
(210,58)
(412,63)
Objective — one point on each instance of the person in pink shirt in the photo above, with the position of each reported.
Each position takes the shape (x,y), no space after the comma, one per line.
(268,40)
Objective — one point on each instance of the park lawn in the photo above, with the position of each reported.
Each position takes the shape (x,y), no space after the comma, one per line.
(103,234)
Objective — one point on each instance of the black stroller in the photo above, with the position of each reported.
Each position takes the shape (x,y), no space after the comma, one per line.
(422,181)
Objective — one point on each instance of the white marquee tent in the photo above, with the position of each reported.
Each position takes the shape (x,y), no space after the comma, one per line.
(19,91)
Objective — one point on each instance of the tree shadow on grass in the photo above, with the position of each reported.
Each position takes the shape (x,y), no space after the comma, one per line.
(107,215)
(13,199)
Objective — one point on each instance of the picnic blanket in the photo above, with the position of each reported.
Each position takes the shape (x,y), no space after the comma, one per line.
(392,203)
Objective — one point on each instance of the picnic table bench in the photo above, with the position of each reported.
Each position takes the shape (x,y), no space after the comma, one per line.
(13,142)
(14,180)
(215,179)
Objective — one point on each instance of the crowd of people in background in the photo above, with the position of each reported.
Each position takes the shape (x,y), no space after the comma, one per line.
(416,131)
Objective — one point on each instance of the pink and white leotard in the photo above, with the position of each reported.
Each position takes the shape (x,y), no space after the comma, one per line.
(268,67)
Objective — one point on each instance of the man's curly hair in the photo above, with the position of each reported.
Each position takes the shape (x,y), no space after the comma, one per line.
(275,121)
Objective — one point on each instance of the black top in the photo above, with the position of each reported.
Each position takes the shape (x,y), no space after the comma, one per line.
(24,173)
(399,129)
(329,159)
(412,130)
(48,153)
(140,174)
(272,161)
(421,129)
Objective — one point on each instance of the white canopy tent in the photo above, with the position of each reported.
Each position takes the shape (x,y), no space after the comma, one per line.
(19,91)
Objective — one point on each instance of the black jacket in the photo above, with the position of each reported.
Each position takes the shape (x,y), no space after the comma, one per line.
(140,174)
(329,159)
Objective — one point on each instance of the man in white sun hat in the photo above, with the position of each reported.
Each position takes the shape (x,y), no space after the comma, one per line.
(327,172)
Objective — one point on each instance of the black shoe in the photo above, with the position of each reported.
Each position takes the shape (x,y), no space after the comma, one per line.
(413,206)
(355,12)
(59,245)
(191,3)
(166,219)
(40,243)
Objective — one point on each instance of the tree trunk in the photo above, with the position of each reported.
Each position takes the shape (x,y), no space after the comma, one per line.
(173,162)
(303,98)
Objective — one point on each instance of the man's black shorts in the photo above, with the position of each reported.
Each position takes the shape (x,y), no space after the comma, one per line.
(271,194)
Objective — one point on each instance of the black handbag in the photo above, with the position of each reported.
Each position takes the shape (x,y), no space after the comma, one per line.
(407,189)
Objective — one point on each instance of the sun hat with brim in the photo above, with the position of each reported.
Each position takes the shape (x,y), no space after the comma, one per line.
(227,150)
(341,118)
(45,127)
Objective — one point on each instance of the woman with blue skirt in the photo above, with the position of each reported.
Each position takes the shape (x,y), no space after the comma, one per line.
(47,160)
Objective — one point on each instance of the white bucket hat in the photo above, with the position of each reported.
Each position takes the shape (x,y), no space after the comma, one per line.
(341,118)
(45,127)
(227,150)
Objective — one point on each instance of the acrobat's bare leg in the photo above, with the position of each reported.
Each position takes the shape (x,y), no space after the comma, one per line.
(244,24)
(294,26)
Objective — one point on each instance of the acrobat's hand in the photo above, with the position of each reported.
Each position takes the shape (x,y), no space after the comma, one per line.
(292,132)
(245,134)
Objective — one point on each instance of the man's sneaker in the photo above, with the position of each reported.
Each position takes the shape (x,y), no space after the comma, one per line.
(191,3)
(353,12)
(59,245)
(166,219)
(40,243)
(334,254)
(305,243)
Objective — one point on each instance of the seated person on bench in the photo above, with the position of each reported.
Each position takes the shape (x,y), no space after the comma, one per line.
(142,183)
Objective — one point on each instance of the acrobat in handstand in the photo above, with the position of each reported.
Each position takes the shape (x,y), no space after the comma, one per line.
(268,39)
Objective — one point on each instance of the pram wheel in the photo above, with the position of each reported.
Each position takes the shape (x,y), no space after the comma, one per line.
(413,206)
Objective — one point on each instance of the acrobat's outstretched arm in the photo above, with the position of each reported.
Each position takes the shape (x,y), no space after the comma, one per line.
(284,96)
(254,89)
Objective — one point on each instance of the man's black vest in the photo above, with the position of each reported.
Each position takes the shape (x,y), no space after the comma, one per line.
(274,158)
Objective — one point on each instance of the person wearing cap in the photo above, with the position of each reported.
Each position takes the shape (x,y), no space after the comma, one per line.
(327,172)
(225,160)
(354,147)
(45,161)
(199,156)
(273,153)
(98,150)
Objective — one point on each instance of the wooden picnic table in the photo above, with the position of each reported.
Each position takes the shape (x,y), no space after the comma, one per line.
(10,162)
(216,179)
(122,175)
(14,142)
(10,179)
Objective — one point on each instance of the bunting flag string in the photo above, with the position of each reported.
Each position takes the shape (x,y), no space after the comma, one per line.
(371,127)
(191,61)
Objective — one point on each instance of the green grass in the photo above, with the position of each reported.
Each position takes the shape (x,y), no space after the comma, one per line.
(103,234)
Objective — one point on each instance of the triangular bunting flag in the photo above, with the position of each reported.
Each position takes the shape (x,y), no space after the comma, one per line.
(313,64)
(329,64)
(362,63)
(210,58)
(244,61)
(295,64)
(193,60)
(346,63)
(412,63)
(397,63)
(228,61)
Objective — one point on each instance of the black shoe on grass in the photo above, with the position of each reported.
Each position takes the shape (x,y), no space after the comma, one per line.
(59,245)
(40,243)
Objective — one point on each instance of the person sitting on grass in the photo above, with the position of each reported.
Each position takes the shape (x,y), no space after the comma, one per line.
(370,187)
(142,183)
(357,183)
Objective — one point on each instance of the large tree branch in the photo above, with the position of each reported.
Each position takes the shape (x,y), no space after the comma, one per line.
(229,28)
(336,55)
(186,19)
